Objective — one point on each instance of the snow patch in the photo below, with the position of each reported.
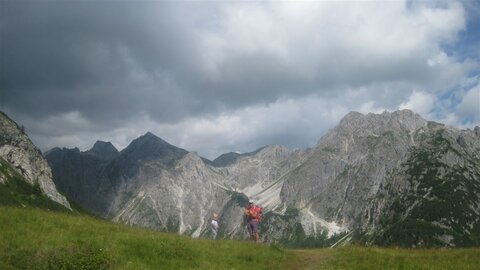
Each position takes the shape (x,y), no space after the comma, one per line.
(313,224)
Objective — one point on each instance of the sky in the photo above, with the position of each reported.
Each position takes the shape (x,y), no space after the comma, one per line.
(221,76)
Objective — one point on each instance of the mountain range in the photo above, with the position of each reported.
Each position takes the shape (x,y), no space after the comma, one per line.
(385,179)
(391,178)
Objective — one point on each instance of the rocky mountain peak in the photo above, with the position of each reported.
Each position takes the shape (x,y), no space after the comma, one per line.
(103,150)
(408,119)
(351,117)
(149,147)
(232,157)
(226,159)
(148,140)
(266,152)
(355,122)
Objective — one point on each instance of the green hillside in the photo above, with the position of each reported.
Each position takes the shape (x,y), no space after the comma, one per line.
(15,191)
(37,239)
(32,238)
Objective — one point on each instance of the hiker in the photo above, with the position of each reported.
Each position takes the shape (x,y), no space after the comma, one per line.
(253,214)
(214,226)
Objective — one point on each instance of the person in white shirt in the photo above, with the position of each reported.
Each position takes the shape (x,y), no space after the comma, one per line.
(214,226)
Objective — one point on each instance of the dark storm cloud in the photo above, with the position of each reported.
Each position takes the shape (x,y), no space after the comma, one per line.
(110,60)
(119,68)
(95,57)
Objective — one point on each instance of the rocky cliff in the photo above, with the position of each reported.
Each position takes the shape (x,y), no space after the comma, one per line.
(18,151)
(347,166)
(395,177)
(433,198)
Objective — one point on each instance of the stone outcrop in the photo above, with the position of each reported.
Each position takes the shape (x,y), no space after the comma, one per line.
(18,150)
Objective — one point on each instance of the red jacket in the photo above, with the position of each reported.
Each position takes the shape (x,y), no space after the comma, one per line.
(254,212)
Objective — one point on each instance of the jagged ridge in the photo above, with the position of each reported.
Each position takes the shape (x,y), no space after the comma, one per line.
(338,186)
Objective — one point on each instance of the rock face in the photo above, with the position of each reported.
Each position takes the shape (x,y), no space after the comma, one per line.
(349,164)
(381,175)
(17,149)
(433,198)
(368,177)
(81,173)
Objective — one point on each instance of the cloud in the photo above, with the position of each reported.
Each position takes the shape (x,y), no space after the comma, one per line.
(419,102)
(243,73)
(469,108)
(295,123)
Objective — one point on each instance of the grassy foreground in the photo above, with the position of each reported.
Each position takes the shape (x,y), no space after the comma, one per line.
(40,239)
(387,258)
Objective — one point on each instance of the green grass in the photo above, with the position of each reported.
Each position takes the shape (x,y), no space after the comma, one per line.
(32,238)
(39,239)
(372,258)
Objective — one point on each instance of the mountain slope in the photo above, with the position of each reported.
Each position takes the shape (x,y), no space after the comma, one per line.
(180,198)
(368,174)
(150,184)
(78,175)
(16,191)
(438,202)
(20,154)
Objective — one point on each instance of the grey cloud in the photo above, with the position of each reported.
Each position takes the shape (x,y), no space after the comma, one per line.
(114,62)
(61,56)
(469,107)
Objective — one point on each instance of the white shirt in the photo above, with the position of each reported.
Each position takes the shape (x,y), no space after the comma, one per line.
(214,224)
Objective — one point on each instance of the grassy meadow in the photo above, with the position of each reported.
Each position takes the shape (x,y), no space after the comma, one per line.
(386,258)
(41,239)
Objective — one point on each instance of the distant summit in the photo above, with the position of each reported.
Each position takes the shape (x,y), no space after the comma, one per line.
(231,157)
(404,119)
(226,159)
(150,147)
(103,150)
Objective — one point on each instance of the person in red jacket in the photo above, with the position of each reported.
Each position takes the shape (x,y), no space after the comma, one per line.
(254,216)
